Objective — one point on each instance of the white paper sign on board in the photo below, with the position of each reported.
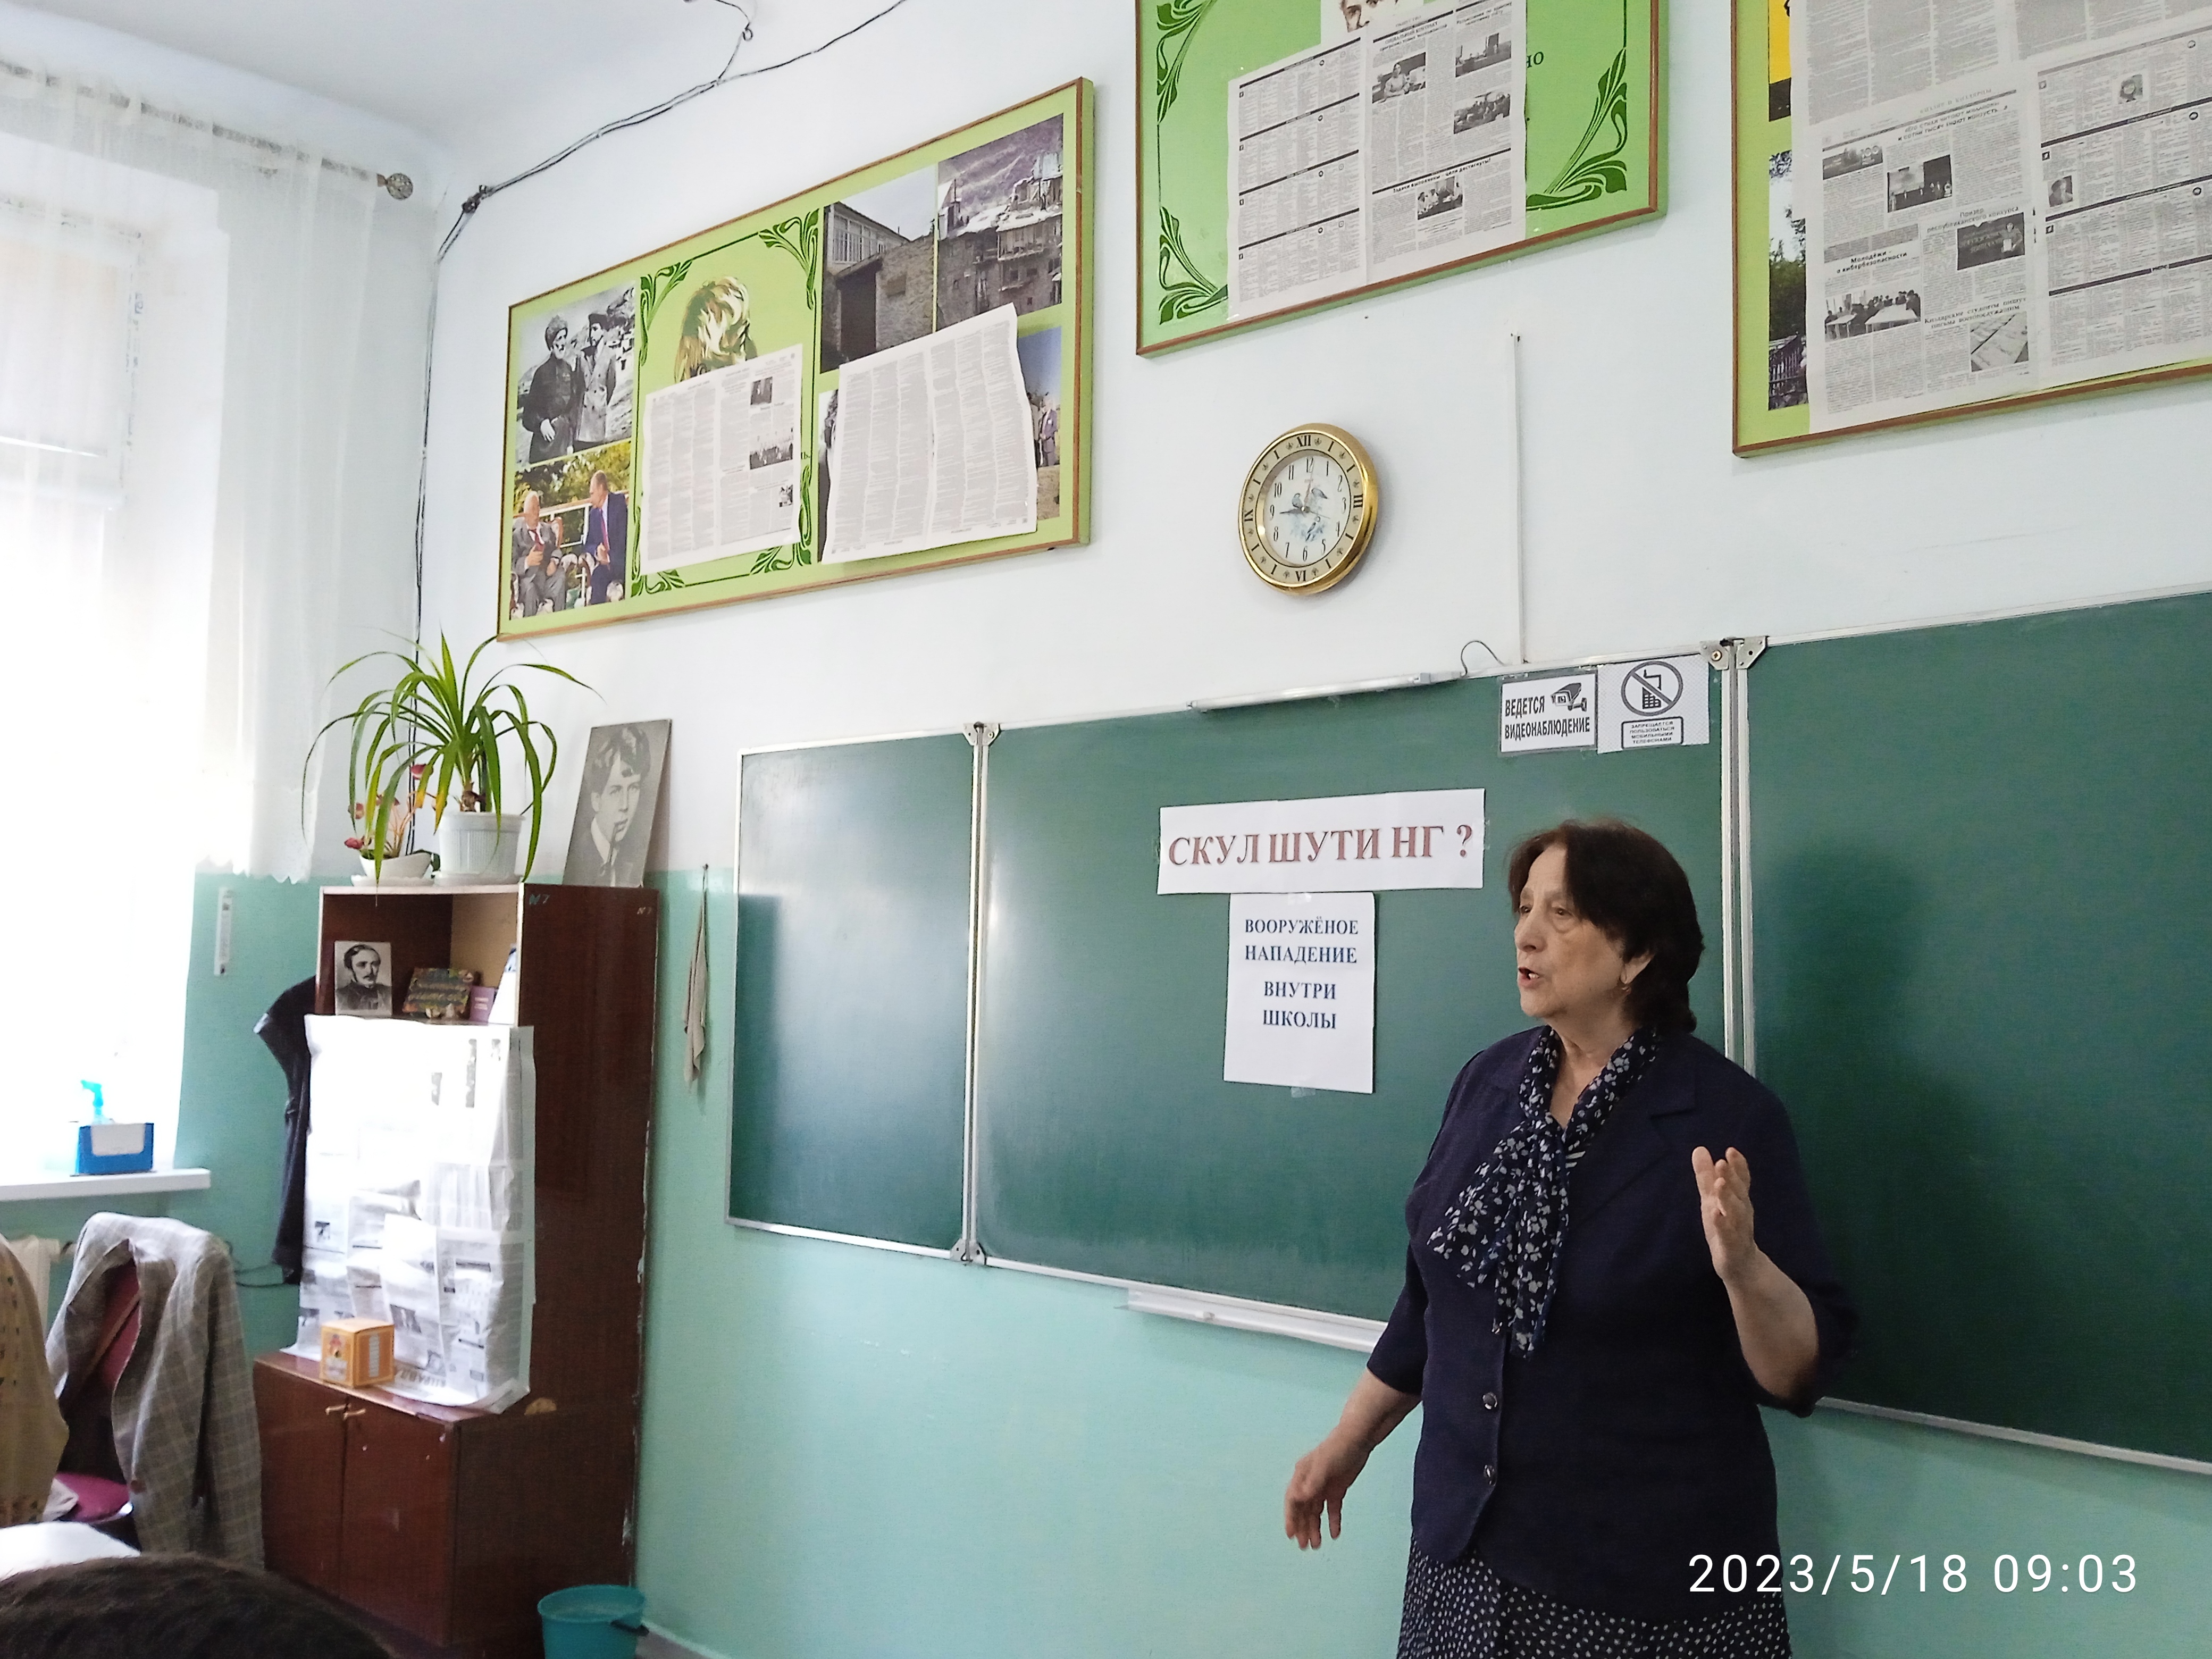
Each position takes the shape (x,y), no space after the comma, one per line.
(1331,844)
(1557,711)
(1660,702)
(1302,991)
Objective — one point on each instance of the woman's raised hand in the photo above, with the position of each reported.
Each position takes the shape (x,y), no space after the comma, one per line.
(1321,1478)
(1724,1202)
(1774,1323)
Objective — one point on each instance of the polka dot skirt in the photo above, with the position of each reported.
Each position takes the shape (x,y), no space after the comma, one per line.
(1465,1611)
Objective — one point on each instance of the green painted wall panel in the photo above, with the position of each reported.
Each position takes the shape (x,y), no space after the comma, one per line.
(1981,862)
(231,1112)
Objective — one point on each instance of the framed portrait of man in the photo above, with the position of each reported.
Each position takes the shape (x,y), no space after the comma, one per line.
(615,805)
(360,977)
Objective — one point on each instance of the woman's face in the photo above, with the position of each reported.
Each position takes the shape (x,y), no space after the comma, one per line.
(1567,968)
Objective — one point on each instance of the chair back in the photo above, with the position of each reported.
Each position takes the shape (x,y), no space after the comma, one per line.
(88,1399)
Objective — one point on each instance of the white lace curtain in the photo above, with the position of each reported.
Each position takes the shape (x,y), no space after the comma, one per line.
(309,554)
(210,347)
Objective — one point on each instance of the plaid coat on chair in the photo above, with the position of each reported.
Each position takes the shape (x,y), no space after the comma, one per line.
(185,1434)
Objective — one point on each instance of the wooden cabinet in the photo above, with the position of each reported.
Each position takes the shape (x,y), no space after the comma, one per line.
(448,1524)
(302,1477)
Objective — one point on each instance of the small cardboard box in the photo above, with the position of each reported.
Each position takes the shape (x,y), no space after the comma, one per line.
(114,1148)
(357,1352)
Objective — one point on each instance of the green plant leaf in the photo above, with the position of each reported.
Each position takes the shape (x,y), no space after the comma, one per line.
(438,714)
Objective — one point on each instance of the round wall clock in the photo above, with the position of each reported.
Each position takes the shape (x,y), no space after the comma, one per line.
(1308,509)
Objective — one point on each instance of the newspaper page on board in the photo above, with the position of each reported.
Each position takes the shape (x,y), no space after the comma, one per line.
(935,443)
(722,456)
(1384,150)
(2005,195)
(420,1201)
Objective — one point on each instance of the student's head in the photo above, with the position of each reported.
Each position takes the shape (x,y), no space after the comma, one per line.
(1603,915)
(364,964)
(614,779)
(170,1607)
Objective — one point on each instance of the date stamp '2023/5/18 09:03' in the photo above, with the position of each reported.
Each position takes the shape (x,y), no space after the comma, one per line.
(1916,1574)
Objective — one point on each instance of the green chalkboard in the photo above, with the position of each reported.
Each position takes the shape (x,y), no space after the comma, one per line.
(1108,1143)
(1981,859)
(853,868)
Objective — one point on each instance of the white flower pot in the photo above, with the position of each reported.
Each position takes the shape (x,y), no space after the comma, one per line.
(479,846)
(400,866)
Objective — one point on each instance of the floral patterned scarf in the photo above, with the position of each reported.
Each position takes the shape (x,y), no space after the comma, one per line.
(1507,1228)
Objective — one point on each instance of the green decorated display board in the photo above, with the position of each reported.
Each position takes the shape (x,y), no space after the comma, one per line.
(1293,154)
(1926,228)
(916,334)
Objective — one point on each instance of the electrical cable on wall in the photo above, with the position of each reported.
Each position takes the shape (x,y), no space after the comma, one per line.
(483,193)
(728,74)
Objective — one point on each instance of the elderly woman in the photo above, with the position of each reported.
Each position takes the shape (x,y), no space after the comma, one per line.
(1593,1311)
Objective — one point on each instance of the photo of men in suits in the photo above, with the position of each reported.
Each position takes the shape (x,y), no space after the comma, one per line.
(615,805)
(534,560)
(359,982)
(606,542)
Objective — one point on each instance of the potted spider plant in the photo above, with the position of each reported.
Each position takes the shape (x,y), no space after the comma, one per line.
(434,738)
(384,827)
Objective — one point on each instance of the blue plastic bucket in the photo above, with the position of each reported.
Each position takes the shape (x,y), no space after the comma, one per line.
(592,1621)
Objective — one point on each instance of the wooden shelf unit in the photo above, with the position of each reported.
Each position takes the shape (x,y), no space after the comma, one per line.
(450,1523)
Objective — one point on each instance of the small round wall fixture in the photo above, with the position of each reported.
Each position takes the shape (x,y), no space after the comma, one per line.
(1308,508)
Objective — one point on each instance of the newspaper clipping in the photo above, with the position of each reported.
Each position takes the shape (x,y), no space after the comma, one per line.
(2009,196)
(1393,149)
(721,460)
(934,444)
(419,1201)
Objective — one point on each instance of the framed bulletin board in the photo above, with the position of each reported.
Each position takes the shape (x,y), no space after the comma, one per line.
(1294,154)
(2009,205)
(887,372)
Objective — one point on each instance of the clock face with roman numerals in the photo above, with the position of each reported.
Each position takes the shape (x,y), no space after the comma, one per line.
(1308,509)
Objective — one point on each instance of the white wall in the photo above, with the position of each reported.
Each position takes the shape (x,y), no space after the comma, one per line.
(1642,531)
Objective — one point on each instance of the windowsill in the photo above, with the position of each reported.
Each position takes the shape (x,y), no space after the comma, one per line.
(106,1186)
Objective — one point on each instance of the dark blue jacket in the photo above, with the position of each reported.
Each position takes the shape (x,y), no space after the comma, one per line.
(1594,1470)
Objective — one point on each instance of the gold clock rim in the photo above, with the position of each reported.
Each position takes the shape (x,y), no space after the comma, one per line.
(1370,496)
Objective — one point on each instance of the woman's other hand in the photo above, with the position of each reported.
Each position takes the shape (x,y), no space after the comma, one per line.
(1324,1475)
(1725,1201)
(1318,1482)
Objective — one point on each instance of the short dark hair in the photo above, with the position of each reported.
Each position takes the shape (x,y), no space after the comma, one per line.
(171,1606)
(626,744)
(353,950)
(1628,884)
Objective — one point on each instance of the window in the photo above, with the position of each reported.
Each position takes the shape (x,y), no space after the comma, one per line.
(111,379)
